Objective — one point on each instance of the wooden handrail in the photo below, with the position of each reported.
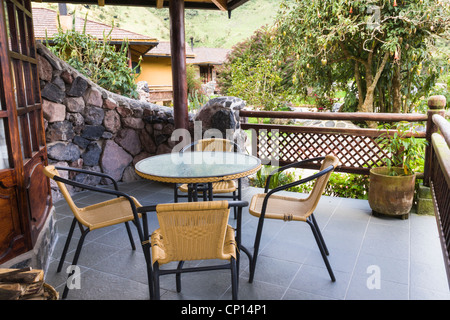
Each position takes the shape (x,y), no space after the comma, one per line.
(351,116)
(332,130)
(442,152)
(443,126)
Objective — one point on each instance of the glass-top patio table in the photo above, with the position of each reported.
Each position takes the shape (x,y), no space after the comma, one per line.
(200,167)
(197,166)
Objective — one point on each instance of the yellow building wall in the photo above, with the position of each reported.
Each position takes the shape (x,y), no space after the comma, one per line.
(157,71)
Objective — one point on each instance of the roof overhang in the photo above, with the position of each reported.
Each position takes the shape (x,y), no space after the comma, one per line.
(224,5)
(137,48)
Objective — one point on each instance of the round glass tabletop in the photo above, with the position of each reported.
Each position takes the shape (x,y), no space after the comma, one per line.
(197,166)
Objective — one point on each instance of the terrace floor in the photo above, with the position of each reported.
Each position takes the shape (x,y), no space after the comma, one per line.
(405,254)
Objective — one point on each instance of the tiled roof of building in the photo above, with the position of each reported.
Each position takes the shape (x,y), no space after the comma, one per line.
(45,20)
(163,50)
(199,55)
(215,56)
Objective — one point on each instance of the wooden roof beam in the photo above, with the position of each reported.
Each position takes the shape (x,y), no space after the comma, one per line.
(101,3)
(221,4)
(159,4)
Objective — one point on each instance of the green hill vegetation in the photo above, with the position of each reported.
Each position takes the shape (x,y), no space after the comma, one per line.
(208,28)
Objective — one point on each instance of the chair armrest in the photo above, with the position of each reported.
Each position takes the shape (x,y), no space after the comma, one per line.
(301,181)
(293,184)
(292,165)
(93,173)
(237,204)
(187,147)
(92,188)
(145,209)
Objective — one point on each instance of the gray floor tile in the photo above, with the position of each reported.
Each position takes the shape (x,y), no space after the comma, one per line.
(406,253)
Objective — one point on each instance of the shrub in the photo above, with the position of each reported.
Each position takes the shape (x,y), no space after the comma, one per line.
(344,185)
(97,59)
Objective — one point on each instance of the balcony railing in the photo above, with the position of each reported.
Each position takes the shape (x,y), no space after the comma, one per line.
(440,183)
(358,149)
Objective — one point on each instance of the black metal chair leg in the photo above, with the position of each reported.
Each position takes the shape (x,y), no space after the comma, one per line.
(210,191)
(320,234)
(322,250)
(234,279)
(156,293)
(235,197)
(130,235)
(66,245)
(178,276)
(147,254)
(148,260)
(256,249)
(175,193)
(75,258)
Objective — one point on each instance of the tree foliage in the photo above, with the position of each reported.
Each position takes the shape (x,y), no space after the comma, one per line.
(378,44)
(382,53)
(97,59)
(251,73)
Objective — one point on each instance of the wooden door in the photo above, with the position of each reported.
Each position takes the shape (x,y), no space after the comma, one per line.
(25,196)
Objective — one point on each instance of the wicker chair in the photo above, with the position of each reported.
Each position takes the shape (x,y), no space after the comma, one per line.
(270,206)
(121,209)
(219,189)
(194,231)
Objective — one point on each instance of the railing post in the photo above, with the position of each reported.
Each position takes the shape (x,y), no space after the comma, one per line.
(436,105)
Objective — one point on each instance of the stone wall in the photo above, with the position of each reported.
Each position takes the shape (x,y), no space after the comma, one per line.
(91,128)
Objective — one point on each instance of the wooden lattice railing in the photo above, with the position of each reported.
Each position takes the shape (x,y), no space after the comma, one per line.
(357,149)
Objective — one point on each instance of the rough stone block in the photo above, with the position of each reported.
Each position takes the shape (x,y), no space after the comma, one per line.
(63,152)
(53,93)
(74,104)
(91,132)
(78,87)
(53,112)
(94,98)
(114,160)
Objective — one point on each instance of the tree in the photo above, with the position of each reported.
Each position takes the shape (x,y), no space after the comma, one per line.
(251,73)
(382,49)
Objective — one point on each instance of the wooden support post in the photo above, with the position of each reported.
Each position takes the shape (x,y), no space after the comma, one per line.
(178,51)
(436,105)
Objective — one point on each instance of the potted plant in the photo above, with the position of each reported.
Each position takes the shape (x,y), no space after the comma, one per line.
(391,188)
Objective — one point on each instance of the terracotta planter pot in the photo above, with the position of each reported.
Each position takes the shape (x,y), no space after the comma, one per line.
(391,195)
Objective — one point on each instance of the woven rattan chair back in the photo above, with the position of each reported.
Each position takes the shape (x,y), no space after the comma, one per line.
(321,183)
(215,144)
(192,231)
(51,172)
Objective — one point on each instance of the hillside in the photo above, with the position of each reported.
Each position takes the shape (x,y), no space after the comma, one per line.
(208,28)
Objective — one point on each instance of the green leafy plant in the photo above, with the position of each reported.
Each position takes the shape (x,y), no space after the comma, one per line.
(97,59)
(280,178)
(345,185)
(251,73)
(401,151)
(196,98)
